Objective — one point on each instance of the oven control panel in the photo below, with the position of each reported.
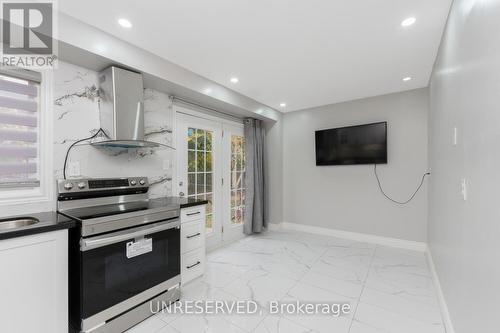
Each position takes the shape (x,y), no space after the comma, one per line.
(79,185)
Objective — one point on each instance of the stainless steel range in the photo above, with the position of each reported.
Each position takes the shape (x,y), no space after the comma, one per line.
(125,253)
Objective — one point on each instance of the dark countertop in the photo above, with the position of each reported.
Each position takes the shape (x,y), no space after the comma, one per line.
(49,221)
(183,202)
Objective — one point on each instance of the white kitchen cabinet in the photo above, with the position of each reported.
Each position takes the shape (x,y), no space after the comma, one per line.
(34,283)
(193,253)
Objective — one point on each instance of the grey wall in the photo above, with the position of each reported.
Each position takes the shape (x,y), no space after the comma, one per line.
(347,197)
(274,170)
(464,235)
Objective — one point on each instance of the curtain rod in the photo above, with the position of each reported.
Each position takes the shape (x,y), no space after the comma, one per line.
(174,98)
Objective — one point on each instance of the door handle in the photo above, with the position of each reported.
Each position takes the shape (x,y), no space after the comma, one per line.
(193,265)
(195,235)
(191,214)
(119,236)
(181,194)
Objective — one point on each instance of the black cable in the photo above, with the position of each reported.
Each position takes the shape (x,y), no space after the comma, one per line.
(74,143)
(395,201)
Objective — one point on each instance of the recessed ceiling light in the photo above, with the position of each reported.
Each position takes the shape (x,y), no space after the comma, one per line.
(406,79)
(409,21)
(125,23)
(234,80)
(283,105)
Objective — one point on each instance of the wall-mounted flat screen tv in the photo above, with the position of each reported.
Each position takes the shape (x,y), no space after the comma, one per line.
(362,144)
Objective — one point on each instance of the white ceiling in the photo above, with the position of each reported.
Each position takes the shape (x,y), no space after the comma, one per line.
(304,53)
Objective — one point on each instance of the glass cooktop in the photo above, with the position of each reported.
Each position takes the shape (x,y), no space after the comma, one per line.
(87,213)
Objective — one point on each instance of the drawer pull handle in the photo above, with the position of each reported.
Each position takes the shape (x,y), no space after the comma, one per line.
(195,235)
(191,214)
(193,265)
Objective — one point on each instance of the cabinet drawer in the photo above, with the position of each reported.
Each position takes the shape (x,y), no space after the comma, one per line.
(192,235)
(192,213)
(192,265)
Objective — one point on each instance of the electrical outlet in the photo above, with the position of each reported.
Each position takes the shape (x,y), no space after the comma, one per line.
(455,136)
(74,169)
(464,189)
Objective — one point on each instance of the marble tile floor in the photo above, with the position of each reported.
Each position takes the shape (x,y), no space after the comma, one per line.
(389,289)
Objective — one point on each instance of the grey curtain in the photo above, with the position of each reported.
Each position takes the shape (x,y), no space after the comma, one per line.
(254,177)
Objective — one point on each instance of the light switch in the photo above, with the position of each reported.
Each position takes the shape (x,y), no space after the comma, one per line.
(455,136)
(74,169)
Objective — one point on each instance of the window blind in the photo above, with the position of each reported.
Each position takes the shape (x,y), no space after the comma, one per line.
(19,129)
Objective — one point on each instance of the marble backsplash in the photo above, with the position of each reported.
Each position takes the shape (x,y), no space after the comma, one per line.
(76,116)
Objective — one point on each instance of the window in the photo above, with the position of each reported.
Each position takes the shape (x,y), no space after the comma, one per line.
(237,179)
(200,171)
(19,129)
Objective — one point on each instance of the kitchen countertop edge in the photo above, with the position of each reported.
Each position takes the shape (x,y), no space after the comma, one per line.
(52,221)
(182,202)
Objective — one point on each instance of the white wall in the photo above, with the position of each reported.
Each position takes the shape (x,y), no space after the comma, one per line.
(76,116)
(347,197)
(273,170)
(464,235)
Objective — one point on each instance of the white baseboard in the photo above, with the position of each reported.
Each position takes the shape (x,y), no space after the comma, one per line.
(360,237)
(442,302)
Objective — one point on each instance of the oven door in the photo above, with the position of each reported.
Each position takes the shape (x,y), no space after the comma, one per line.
(123,269)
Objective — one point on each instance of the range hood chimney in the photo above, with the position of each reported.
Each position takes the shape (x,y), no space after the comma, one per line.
(122,109)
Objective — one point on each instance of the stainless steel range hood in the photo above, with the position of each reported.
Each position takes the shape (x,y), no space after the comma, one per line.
(122,109)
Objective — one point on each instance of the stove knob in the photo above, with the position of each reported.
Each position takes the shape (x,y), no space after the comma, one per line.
(142,182)
(68,186)
(81,185)
(133,182)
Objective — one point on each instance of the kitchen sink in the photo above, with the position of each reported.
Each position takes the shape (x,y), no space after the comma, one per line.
(18,222)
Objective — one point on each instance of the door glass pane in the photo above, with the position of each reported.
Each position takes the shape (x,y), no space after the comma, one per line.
(191,138)
(199,162)
(209,140)
(200,183)
(237,179)
(191,161)
(208,161)
(191,183)
(233,199)
(208,182)
(238,215)
(201,139)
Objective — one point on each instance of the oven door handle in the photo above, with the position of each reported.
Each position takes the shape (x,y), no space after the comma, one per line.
(120,236)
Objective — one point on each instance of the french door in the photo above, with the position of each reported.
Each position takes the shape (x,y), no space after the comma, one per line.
(234,188)
(211,166)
